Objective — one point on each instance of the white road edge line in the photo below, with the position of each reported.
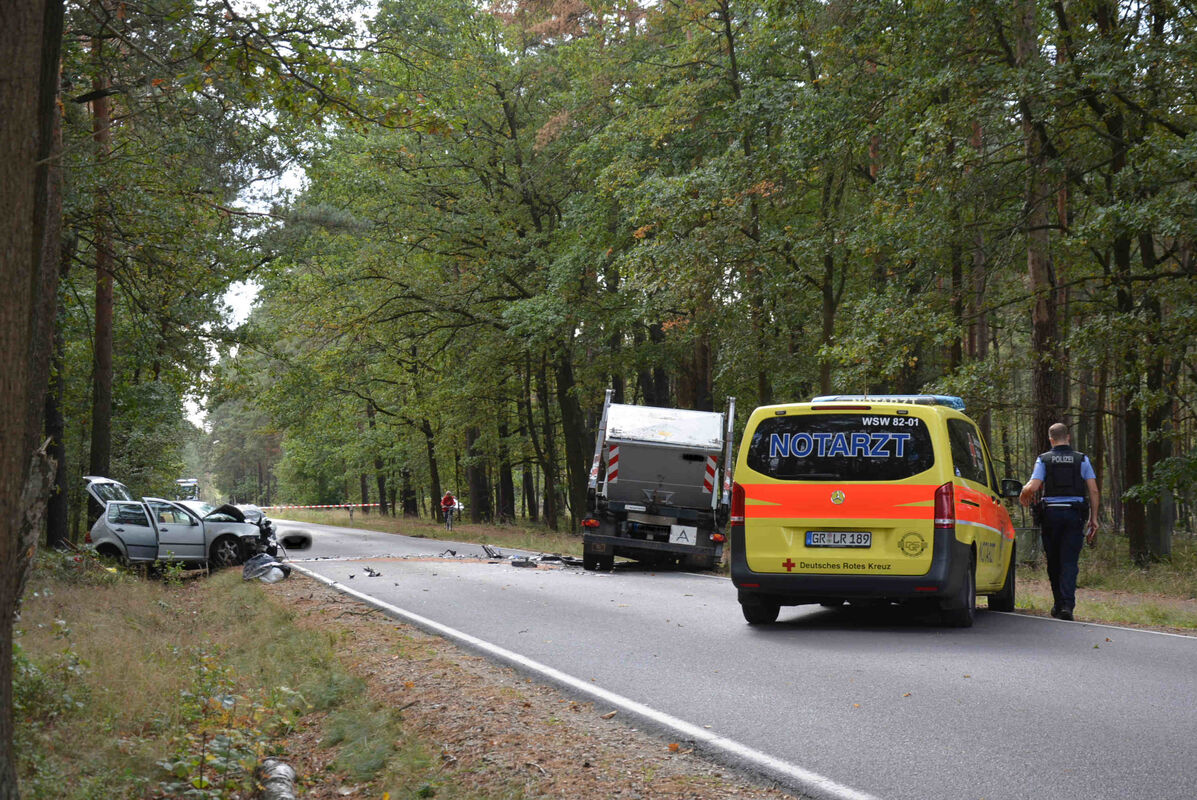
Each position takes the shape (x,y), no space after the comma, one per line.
(1094,624)
(811,783)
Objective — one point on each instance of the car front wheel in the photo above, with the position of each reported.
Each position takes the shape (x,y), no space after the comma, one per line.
(226,552)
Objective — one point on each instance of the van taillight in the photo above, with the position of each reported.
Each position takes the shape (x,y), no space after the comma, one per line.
(945,507)
(737,508)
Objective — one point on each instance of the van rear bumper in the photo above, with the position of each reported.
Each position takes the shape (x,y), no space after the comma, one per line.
(949,560)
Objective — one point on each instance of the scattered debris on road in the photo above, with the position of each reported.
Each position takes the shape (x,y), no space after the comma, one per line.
(266,568)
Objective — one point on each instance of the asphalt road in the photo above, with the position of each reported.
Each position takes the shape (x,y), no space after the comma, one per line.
(841,703)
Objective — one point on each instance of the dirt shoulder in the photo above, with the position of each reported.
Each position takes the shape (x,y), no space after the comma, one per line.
(494,730)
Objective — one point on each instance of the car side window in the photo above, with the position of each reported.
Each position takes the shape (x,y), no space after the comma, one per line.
(968,454)
(127,514)
(169,515)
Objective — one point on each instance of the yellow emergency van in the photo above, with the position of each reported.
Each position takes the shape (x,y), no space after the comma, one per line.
(853,498)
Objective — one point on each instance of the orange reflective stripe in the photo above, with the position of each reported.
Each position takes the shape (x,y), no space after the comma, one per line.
(966,512)
(872,501)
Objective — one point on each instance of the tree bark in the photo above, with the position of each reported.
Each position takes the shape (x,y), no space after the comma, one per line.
(102,375)
(549,451)
(529,484)
(31,39)
(480,505)
(434,475)
(1037,199)
(506,481)
(1157,516)
(573,426)
(379,475)
(58,531)
(410,505)
(654,381)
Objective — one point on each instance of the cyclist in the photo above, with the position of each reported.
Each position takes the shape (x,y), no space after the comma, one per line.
(448,506)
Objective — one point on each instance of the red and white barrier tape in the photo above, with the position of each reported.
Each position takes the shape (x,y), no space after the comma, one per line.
(332,505)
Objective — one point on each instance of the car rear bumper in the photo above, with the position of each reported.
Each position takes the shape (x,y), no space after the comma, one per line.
(949,560)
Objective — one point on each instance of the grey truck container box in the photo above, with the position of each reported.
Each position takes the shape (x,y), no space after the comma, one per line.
(662,455)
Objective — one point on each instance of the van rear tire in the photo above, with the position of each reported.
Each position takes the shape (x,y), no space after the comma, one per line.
(1004,599)
(760,612)
(959,610)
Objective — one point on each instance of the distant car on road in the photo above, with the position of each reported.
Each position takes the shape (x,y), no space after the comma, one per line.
(154,529)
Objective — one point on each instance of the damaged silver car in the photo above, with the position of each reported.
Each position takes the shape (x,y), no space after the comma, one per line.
(155,529)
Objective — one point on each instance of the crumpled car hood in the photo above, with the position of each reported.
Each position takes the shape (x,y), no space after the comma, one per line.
(230,510)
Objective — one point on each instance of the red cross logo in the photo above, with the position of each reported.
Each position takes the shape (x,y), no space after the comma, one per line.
(789,565)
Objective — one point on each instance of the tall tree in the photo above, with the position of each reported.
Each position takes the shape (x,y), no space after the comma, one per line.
(30,41)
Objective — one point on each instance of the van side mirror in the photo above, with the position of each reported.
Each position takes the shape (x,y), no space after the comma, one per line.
(1011,487)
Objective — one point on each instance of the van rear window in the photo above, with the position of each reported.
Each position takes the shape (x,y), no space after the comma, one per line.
(841,447)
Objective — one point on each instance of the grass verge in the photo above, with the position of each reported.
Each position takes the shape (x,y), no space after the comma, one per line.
(128,688)
(1112,589)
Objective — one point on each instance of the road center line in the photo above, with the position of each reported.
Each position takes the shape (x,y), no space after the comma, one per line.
(809,783)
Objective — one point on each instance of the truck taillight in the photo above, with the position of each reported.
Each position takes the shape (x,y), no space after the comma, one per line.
(590,522)
(718,538)
(737,505)
(945,507)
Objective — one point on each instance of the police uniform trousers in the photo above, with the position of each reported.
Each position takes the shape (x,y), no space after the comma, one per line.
(1063,531)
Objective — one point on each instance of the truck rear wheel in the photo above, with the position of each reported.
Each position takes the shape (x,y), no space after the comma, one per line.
(590,561)
(606,563)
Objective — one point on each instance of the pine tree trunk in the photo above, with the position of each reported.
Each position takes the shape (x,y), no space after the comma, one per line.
(506,481)
(102,377)
(480,502)
(434,475)
(573,427)
(30,38)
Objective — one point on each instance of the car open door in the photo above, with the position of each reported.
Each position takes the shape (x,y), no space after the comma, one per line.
(129,520)
(180,535)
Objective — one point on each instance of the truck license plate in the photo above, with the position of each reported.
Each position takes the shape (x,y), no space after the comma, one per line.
(683,534)
(839,539)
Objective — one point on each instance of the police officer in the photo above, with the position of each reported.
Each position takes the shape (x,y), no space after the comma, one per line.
(1070,496)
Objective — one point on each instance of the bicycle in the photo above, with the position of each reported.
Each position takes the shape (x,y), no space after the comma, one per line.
(448,514)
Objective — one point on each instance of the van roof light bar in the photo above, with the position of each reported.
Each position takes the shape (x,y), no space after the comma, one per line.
(948,400)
